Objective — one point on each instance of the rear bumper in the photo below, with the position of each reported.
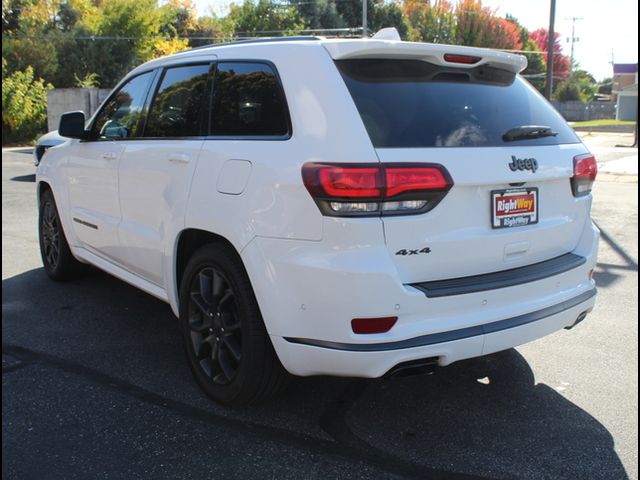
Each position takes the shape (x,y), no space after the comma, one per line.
(374,360)
(308,294)
(453,335)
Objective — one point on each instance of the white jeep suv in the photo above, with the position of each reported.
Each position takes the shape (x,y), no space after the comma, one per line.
(329,207)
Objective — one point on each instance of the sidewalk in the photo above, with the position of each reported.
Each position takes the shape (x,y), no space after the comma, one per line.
(615,163)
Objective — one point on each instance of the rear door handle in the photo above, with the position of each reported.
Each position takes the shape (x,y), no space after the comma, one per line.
(179,158)
(109,155)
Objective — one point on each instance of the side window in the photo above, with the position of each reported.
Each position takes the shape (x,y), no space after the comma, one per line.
(178,104)
(120,116)
(247,101)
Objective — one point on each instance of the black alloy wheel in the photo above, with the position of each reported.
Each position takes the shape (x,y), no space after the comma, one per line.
(225,340)
(216,328)
(50,232)
(58,261)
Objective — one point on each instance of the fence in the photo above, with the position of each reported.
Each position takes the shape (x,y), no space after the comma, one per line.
(580,112)
(61,100)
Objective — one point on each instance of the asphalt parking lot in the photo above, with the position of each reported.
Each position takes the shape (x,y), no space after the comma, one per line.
(95,386)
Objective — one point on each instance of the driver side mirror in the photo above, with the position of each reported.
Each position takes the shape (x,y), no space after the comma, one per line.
(72,125)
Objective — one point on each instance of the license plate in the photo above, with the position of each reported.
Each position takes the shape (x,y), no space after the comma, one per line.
(515,207)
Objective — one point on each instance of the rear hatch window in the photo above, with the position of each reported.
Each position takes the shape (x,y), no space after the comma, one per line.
(416,104)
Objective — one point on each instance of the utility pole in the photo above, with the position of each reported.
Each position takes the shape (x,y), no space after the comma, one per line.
(548,88)
(365,28)
(573,36)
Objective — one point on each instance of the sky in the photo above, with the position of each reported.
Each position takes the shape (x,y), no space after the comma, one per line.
(605,28)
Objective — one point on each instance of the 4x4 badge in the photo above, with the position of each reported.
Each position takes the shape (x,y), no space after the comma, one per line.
(523,164)
(413,252)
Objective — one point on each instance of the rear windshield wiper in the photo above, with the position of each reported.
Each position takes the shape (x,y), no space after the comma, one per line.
(528,132)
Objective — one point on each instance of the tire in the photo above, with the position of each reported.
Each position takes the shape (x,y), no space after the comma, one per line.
(59,263)
(225,340)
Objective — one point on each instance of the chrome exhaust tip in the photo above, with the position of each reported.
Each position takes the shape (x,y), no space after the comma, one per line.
(423,366)
(580,318)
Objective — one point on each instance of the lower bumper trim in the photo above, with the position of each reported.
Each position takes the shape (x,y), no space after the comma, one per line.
(442,337)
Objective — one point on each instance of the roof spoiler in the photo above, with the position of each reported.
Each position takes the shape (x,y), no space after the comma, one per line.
(386,43)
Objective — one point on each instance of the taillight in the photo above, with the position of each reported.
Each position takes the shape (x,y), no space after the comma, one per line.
(351,182)
(375,189)
(466,59)
(585,170)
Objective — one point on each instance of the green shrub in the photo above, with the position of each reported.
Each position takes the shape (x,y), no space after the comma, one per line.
(24,105)
(567,91)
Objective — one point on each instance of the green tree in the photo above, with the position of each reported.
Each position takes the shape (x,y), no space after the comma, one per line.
(90,80)
(431,22)
(35,52)
(319,14)
(130,34)
(477,25)
(586,84)
(11,15)
(209,29)
(24,105)
(389,15)
(567,91)
(263,18)
(535,61)
(136,20)
(177,18)
(26,24)
(536,67)
(351,11)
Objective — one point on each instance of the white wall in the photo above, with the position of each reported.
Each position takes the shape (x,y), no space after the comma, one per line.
(61,100)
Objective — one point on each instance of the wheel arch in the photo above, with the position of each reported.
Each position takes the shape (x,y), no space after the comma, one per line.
(189,241)
(43,186)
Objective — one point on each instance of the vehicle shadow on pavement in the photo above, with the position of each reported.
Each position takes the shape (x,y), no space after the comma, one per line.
(482,418)
(606,274)
(25,178)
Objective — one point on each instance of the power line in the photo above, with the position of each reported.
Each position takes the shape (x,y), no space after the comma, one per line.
(240,35)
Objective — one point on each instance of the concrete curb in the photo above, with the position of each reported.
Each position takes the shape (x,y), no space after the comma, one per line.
(18,149)
(607,129)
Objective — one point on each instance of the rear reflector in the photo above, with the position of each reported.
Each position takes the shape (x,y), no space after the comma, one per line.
(373,325)
(585,170)
(375,189)
(466,59)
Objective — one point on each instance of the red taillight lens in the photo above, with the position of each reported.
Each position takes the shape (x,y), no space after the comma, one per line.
(585,170)
(407,179)
(350,182)
(466,59)
(373,325)
(375,189)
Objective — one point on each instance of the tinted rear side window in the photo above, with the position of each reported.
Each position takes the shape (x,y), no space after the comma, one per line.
(248,101)
(411,103)
(178,105)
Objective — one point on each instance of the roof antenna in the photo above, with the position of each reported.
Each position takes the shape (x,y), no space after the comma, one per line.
(390,33)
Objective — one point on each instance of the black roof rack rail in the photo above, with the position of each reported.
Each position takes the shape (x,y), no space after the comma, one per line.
(257,40)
